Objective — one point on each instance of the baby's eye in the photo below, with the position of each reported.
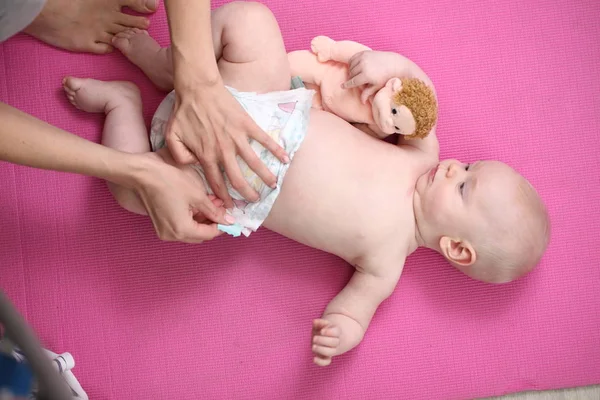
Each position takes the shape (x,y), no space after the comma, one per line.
(394,112)
(467,168)
(461,188)
(396,128)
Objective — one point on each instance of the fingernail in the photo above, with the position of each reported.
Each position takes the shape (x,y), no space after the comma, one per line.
(151,4)
(286,160)
(273,185)
(229,219)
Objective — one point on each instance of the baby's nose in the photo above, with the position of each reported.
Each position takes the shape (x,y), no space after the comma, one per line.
(453,168)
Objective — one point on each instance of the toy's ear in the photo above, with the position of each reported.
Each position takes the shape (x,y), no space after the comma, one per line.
(395,84)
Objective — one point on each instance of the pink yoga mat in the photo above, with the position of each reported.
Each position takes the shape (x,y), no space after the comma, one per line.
(518,81)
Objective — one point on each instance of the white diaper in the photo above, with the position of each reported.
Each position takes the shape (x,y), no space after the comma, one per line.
(282,115)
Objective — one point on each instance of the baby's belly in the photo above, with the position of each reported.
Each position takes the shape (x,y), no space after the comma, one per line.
(342,191)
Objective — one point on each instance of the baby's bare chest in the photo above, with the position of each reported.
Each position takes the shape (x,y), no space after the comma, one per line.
(345,192)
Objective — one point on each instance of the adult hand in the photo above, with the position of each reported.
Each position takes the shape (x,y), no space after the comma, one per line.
(210,126)
(176,201)
(177,204)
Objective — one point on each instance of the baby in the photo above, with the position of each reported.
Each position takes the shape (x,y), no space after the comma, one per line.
(345,192)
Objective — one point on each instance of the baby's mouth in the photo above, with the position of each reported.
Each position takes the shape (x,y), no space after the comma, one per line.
(433,172)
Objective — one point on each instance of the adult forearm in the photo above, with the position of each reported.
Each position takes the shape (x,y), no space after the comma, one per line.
(29,141)
(191,43)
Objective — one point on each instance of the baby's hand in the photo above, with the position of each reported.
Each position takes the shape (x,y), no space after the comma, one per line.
(371,70)
(321,46)
(325,341)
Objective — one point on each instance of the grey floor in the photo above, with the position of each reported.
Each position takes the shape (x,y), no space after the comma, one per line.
(582,393)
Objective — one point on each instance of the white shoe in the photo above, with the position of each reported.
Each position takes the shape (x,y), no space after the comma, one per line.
(63,363)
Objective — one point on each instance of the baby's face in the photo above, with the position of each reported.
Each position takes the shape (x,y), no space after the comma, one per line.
(457,198)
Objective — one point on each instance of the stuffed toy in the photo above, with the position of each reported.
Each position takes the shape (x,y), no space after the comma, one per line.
(405,106)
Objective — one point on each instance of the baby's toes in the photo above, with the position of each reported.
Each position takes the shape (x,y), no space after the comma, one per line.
(128,33)
(131,32)
(72,84)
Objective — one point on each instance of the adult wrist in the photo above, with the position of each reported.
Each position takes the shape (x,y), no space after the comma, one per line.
(190,84)
(192,75)
(132,170)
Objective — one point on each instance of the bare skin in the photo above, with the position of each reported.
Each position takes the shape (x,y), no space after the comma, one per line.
(375,239)
(87,25)
(155,61)
(121,101)
(381,208)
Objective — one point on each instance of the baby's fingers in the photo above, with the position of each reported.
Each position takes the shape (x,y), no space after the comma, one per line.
(322,361)
(355,60)
(323,351)
(355,81)
(331,331)
(319,324)
(326,341)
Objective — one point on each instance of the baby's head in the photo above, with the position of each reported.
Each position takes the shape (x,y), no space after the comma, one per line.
(485,218)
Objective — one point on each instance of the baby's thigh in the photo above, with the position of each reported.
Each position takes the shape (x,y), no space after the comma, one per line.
(253,56)
(166,156)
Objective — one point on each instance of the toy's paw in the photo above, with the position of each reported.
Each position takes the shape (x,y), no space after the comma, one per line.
(321,46)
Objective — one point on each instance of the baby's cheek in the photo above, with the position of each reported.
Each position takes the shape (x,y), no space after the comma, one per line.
(439,209)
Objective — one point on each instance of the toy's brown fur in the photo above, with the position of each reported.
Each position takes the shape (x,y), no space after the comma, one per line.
(420,100)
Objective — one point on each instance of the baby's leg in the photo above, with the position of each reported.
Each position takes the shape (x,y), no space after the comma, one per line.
(124,127)
(146,53)
(248,46)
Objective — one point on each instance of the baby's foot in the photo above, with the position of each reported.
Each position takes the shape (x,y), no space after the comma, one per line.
(147,54)
(322,46)
(97,96)
(325,341)
(87,25)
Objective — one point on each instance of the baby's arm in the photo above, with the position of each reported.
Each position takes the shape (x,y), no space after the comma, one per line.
(348,315)
(371,130)
(328,49)
(374,69)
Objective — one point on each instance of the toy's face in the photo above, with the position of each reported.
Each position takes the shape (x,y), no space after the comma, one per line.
(389,117)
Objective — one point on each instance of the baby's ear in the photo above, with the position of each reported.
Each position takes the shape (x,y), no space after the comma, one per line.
(458,251)
(395,84)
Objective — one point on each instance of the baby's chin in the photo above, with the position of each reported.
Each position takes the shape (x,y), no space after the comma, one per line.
(421,183)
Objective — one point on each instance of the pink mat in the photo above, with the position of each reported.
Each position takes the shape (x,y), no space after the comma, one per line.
(518,81)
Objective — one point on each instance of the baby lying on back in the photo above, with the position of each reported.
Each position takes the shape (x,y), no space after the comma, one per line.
(345,192)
